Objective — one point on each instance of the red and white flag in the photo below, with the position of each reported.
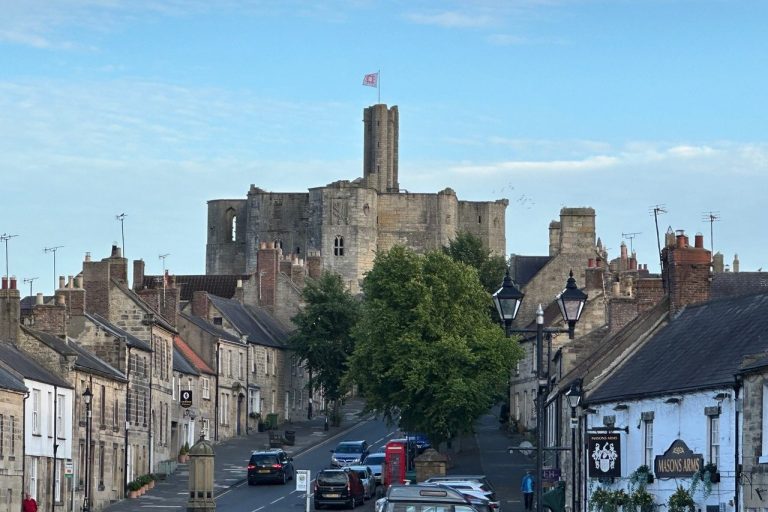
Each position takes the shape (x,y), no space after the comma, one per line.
(371,80)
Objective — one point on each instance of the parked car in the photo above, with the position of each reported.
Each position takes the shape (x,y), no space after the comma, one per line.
(367,479)
(375,461)
(465,486)
(459,478)
(420,498)
(481,501)
(348,453)
(338,487)
(271,465)
(421,440)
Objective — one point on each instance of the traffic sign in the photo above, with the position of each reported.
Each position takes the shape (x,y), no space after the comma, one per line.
(186,398)
(302,480)
(69,469)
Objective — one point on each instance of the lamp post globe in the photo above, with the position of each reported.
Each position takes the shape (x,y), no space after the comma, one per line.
(507,300)
(571,302)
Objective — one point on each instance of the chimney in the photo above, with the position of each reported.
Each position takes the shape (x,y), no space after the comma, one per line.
(554,238)
(669,237)
(52,318)
(314,264)
(97,286)
(735,266)
(686,272)
(118,268)
(39,299)
(200,304)
(699,241)
(624,262)
(138,275)
(267,263)
(718,265)
(239,292)
(593,277)
(62,283)
(10,310)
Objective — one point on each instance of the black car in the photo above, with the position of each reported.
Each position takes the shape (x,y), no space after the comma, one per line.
(272,466)
(338,487)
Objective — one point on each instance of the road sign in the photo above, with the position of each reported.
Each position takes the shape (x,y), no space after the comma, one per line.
(302,480)
(69,469)
(185,398)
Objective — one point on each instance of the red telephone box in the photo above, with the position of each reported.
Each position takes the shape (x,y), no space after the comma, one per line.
(395,462)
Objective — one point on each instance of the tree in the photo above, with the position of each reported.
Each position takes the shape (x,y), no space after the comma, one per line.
(427,354)
(469,249)
(323,338)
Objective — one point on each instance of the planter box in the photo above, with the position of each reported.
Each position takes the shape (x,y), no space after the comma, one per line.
(714,478)
(133,495)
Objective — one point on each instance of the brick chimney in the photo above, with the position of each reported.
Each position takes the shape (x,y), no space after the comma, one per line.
(118,269)
(74,296)
(267,264)
(686,272)
(200,304)
(97,285)
(138,275)
(51,318)
(10,310)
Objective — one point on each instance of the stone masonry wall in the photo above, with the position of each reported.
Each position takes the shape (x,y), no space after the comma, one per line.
(12,449)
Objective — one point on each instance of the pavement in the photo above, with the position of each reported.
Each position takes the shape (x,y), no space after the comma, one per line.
(484,452)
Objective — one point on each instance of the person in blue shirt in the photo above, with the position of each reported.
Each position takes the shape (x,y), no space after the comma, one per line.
(527,488)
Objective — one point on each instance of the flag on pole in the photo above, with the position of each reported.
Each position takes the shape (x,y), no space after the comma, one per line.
(371,79)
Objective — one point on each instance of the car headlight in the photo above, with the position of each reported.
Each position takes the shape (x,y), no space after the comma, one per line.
(334,459)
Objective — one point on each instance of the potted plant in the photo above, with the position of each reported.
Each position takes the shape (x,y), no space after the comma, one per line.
(133,489)
(150,481)
(184,453)
(642,500)
(641,476)
(681,501)
(598,500)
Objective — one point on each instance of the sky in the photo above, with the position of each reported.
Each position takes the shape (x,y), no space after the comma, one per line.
(151,108)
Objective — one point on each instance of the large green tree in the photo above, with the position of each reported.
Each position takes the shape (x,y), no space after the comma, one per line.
(467,248)
(427,354)
(323,338)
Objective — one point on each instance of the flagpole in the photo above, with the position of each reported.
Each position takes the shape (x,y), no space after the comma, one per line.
(378,87)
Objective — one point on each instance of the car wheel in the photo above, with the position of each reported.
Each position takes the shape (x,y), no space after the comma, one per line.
(351,503)
(285,477)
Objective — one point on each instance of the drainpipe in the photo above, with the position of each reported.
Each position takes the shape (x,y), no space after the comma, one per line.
(151,411)
(127,418)
(247,387)
(738,407)
(55,446)
(24,444)
(216,402)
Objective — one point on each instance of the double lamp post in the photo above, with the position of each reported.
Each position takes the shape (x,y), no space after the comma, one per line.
(571,302)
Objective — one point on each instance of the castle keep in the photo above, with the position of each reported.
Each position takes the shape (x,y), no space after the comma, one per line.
(346,222)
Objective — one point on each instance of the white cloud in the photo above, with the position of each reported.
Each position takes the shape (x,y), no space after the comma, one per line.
(452,19)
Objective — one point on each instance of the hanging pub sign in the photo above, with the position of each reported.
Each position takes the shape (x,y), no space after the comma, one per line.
(605,455)
(185,398)
(677,461)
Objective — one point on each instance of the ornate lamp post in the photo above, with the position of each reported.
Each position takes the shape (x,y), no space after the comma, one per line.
(571,302)
(87,396)
(574,398)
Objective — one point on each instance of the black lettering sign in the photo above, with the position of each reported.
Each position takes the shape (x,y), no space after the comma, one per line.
(605,455)
(677,461)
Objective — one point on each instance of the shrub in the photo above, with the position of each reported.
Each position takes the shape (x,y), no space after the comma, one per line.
(134,485)
(681,501)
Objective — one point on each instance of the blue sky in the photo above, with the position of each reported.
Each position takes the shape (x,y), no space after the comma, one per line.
(151,108)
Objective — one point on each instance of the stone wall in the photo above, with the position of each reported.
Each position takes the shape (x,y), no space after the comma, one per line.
(12,450)
(754,459)
(223,255)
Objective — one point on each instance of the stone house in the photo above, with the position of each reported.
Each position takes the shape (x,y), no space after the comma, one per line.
(106,293)
(130,356)
(203,412)
(47,425)
(12,393)
(186,378)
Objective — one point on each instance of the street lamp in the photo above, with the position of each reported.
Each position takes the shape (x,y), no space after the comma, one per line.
(87,396)
(573,395)
(571,303)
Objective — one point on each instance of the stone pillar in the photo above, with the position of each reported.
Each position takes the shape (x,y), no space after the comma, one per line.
(430,463)
(201,477)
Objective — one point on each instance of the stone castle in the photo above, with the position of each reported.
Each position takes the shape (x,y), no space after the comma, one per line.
(346,223)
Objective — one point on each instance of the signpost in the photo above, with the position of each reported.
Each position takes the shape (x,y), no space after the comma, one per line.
(69,469)
(303,478)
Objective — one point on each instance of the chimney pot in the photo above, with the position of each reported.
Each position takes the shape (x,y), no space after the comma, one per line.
(39,299)
(682,240)
(5,283)
(13,283)
(591,263)
(88,256)
(62,282)
(79,282)
(699,241)
(71,282)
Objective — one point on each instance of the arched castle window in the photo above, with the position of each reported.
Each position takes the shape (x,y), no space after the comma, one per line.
(338,246)
(232,224)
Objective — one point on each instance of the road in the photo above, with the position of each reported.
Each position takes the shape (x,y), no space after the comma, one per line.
(277,497)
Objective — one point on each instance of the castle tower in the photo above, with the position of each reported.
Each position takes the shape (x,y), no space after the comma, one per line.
(380,148)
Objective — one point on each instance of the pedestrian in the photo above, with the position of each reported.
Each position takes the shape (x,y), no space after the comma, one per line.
(29,504)
(527,488)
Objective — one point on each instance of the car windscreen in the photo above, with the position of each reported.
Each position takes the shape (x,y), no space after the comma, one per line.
(348,448)
(335,478)
(375,459)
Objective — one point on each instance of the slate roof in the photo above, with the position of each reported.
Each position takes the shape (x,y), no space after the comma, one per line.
(28,367)
(180,363)
(252,322)
(523,268)
(191,356)
(11,380)
(208,327)
(733,284)
(131,340)
(219,285)
(701,348)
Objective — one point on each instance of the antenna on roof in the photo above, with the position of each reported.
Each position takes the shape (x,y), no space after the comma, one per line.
(30,280)
(656,210)
(711,217)
(53,250)
(631,236)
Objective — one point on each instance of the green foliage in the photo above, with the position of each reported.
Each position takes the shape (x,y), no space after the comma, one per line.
(641,500)
(604,500)
(134,485)
(704,477)
(640,477)
(323,338)
(467,248)
(681,501)
(427,354)
(184,449)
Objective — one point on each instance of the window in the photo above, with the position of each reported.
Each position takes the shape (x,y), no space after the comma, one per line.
(175,387)
(233,229)
(252,358)
(101,465)
(206,385)
(338,246)
(13,436)
(648,443)
(714,439)
(229,364)
(224,409)
(204,428)
(189,384)
(115,413)
(2,434)
(240,367)
(267,365)
(57,482)
(60,422)
(49,426)
(36,412)
(102,407)
(217,320)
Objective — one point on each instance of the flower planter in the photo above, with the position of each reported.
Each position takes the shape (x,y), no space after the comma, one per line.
(714,478)
(151,484)
(133,495)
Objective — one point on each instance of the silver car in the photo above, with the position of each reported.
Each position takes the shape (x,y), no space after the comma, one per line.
(366,477)
(375,461)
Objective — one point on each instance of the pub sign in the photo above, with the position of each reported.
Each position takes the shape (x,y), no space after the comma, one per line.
(677,461)
(185,398)
(605,455)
